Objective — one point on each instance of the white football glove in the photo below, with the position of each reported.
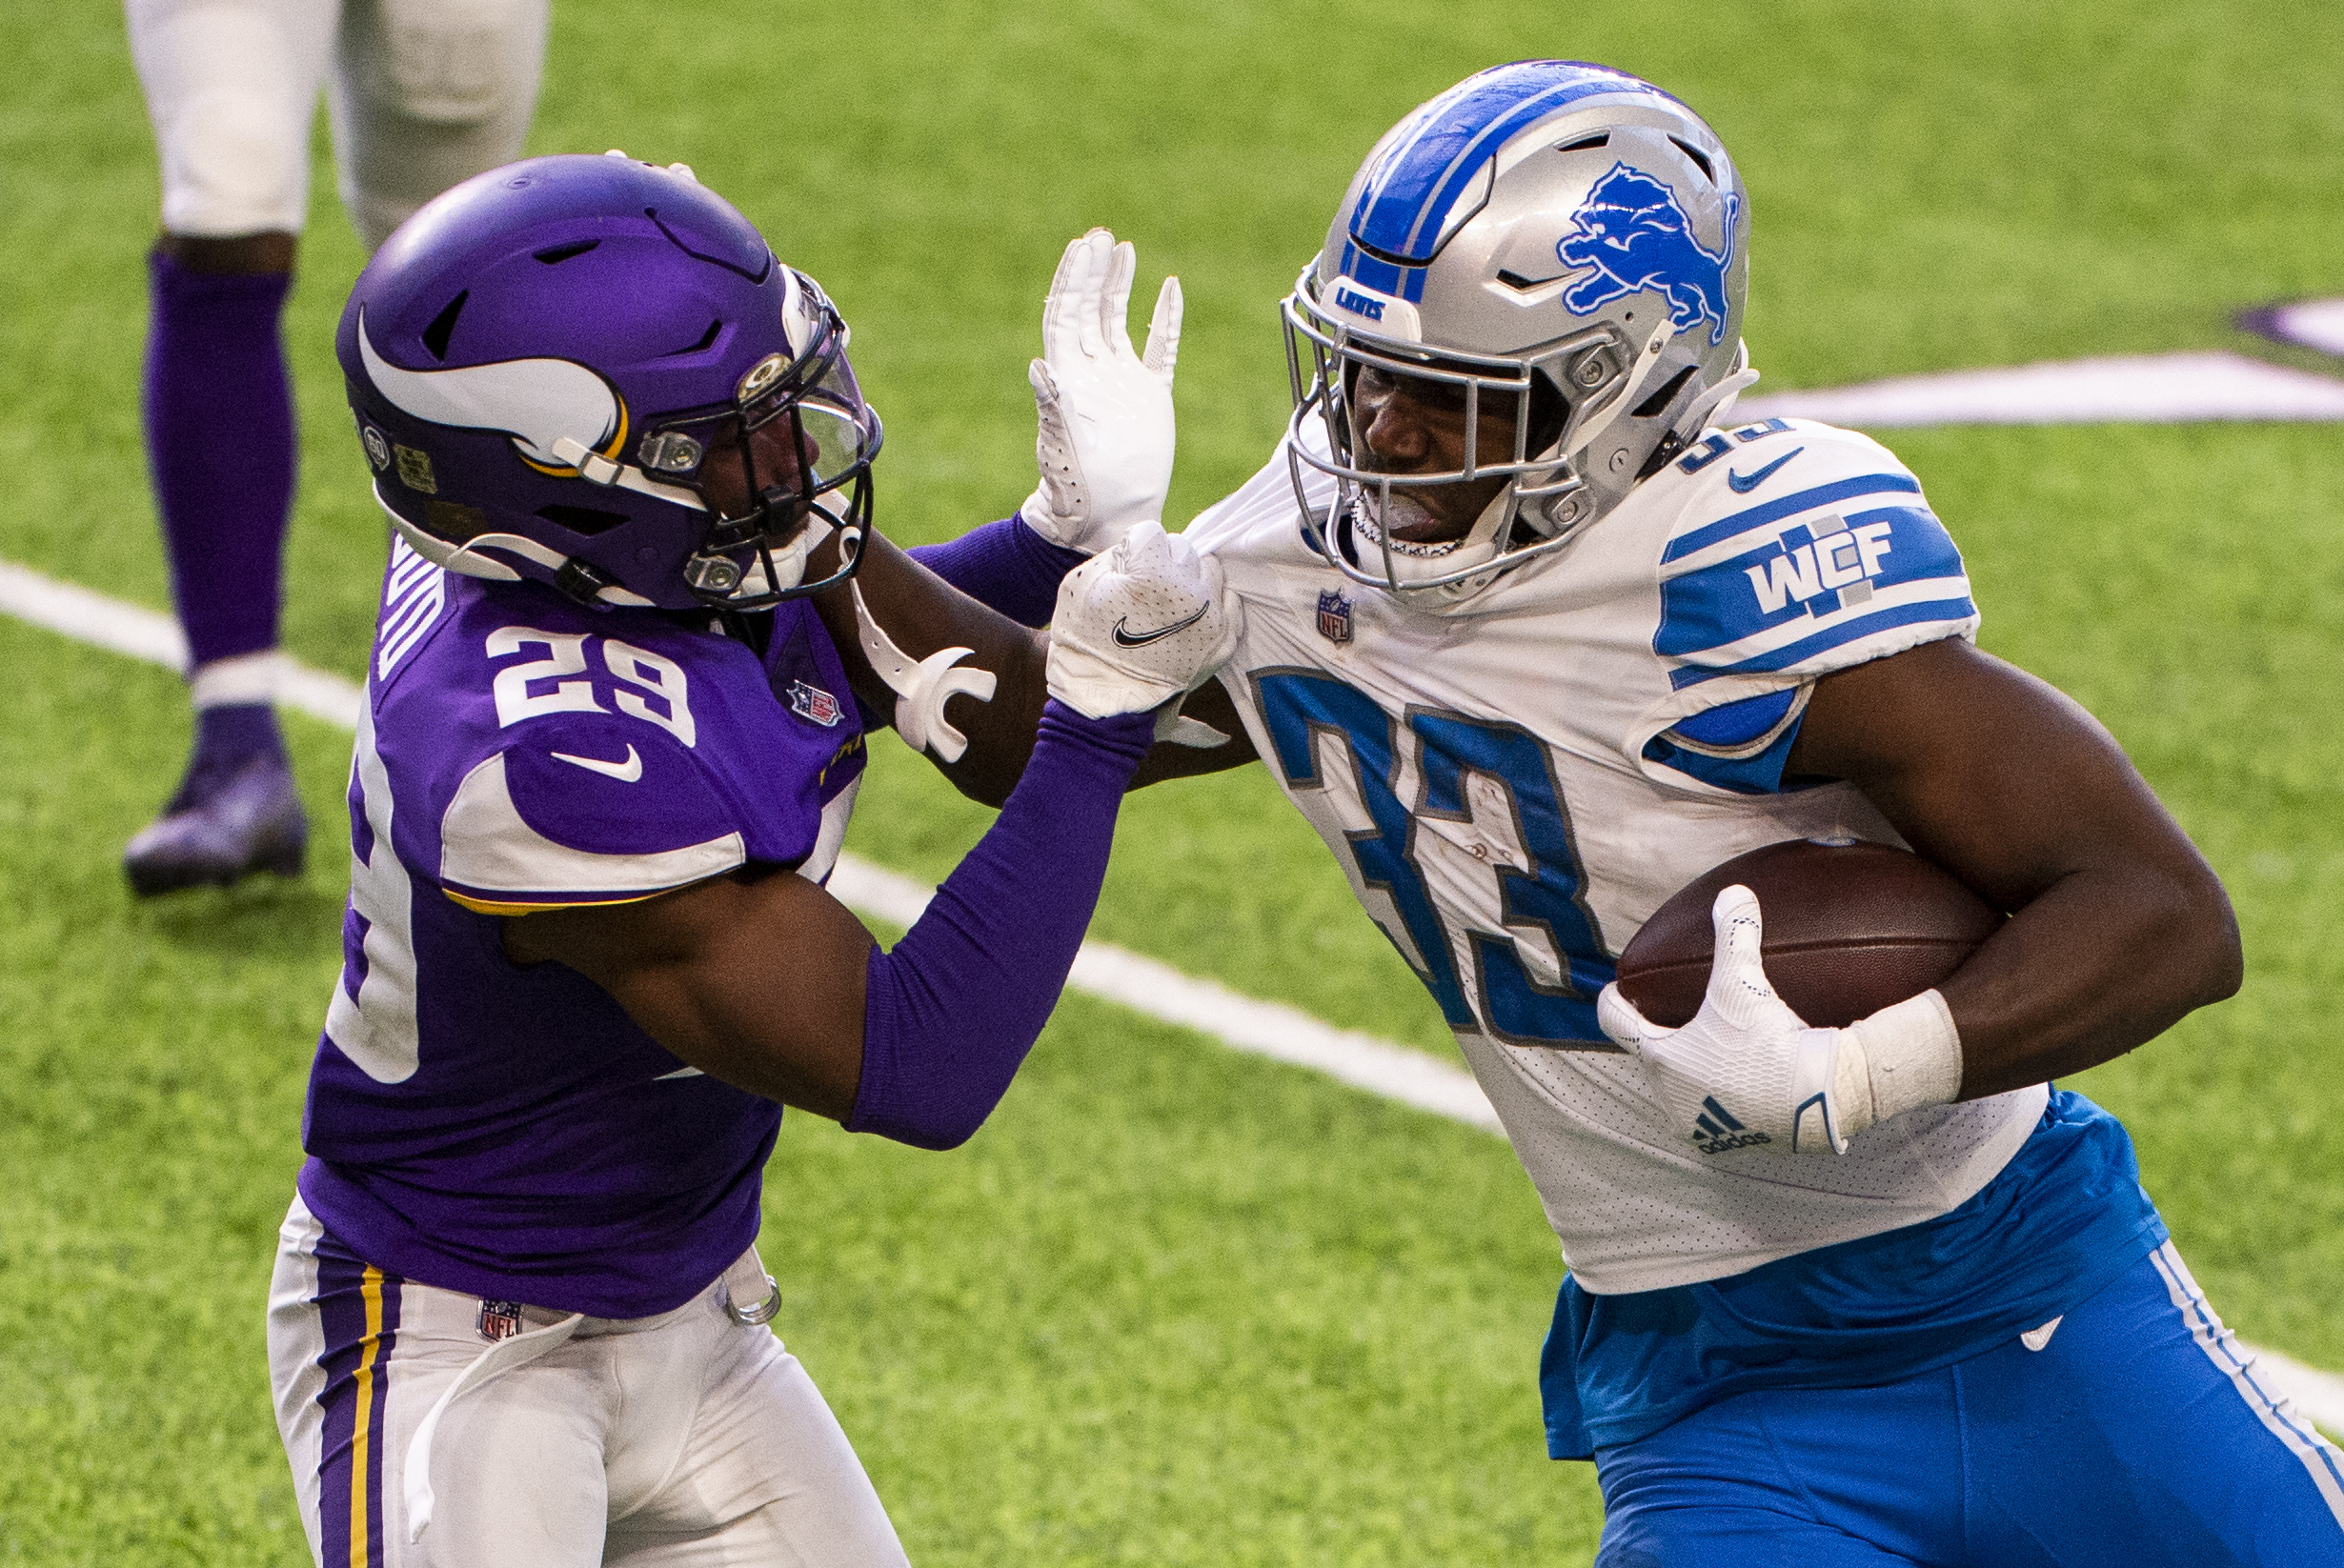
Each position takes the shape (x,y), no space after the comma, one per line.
(1139,626)
(1104,446)
(1747,1073)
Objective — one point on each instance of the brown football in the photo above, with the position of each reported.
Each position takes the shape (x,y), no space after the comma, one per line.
(1851,928)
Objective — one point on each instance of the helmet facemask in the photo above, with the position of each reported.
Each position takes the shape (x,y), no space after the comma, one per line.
(780,468)
(1524,423)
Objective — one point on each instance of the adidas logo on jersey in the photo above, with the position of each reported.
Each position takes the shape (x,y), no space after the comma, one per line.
(1715,1132)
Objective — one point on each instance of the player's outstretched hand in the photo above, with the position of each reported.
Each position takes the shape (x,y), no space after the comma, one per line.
(1138,626)
(1746,1073)
(1104,446)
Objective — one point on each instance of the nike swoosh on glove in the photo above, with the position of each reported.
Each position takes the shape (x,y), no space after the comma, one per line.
(1747,1073)
(1139,626)
(1105,414)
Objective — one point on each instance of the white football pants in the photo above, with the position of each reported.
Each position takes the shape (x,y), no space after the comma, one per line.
(523,1435)
(423,94)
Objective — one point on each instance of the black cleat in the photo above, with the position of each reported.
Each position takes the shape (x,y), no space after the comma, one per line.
(251,822)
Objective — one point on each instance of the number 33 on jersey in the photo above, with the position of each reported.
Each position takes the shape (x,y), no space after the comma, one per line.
(1514,784)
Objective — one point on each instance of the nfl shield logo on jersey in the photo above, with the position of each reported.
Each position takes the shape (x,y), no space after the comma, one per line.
(1334,616)
(814,703)
(499,1320)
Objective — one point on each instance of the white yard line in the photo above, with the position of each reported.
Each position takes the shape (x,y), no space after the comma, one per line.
(2306,324)
(2127,388)
(1242,1023)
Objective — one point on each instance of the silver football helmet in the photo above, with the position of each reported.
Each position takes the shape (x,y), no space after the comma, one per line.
(1554,253)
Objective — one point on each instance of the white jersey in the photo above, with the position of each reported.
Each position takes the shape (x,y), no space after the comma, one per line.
(1514,786)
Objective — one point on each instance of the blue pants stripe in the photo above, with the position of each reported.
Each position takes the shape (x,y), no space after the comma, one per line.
(2318,1456)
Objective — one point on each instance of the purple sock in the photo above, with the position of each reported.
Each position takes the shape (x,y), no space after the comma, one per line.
(227,738)
(1005,566)
(220,443)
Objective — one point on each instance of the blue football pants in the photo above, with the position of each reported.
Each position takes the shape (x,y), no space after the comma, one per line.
(2138,1436)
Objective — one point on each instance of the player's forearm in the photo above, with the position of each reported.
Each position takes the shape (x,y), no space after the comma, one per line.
(1005,567)
(2118,926)
(950,1013)
(2100,962)
(922,614)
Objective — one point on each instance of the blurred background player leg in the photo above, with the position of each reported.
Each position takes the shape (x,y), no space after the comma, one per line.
(230,88)
(424,94)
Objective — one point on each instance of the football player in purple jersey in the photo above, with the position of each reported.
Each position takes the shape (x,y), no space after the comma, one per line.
(606,761)
(422,93)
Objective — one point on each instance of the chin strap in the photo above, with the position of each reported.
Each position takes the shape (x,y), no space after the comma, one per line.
(922,687)
(1718,400)
(1632,385)
(598,470)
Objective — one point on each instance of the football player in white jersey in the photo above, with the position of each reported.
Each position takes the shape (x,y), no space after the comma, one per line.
(1534,633)
(423,94)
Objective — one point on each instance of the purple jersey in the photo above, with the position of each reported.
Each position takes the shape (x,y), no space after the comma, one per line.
(510,1131)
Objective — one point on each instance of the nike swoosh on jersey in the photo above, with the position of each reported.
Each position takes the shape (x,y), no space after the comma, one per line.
(626,769)
(1140,639)
(1741,485)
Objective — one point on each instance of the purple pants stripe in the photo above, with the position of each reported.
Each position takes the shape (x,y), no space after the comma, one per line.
(359,1307)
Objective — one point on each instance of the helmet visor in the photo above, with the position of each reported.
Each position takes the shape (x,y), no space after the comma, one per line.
(770,467)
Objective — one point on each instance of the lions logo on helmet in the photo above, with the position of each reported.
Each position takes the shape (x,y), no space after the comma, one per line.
(1633,233)
(593,373)
(1540,245)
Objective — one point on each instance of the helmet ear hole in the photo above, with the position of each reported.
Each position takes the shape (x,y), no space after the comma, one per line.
(583,520)
(1665,394)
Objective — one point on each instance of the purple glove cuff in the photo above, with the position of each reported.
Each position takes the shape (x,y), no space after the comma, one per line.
(949,1015)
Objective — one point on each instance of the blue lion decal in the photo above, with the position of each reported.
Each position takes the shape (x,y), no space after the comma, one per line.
(1635,234)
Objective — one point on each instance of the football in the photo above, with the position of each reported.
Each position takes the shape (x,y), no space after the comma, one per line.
(1851,928)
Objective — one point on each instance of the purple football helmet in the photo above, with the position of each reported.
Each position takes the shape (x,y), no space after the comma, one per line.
(595,372)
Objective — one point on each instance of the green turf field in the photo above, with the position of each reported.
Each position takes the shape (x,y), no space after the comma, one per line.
(1174,1306)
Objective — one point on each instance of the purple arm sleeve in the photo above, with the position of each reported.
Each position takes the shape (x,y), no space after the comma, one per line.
(1004,566)
(951,1012)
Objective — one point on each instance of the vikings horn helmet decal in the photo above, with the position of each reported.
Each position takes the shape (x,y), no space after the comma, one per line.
(593,372)
(536,401)
(1560,252)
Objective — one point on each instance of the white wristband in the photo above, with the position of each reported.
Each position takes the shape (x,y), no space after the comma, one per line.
(1912,1055)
